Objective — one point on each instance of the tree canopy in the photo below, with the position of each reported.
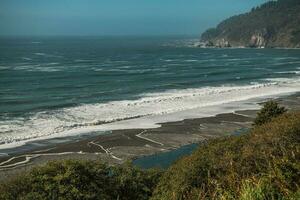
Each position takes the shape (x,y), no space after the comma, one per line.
(278,22)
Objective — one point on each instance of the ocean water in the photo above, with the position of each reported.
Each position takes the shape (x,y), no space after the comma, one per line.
(59,86)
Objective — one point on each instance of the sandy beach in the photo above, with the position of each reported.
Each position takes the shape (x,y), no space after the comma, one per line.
(122,145)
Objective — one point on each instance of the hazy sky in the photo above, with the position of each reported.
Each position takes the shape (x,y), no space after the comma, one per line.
(116,17)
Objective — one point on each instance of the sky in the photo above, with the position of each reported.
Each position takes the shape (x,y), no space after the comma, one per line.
(116,17)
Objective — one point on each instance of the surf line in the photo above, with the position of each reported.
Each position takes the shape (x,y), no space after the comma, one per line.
(144,138)
(106,151)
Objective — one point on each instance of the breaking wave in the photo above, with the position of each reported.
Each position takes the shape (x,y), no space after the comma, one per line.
(88,117)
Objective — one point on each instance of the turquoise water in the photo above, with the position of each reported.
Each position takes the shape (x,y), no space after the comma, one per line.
(56,85)
(164,160)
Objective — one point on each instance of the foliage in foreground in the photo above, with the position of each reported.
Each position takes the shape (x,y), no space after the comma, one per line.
(264,164)
(82,180)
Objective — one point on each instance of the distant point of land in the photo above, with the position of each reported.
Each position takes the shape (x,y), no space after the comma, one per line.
(275,24)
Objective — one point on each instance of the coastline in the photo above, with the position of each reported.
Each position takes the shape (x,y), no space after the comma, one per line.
(122,145)
(245,47)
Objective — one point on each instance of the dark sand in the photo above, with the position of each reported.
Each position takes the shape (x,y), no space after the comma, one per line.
(122,145)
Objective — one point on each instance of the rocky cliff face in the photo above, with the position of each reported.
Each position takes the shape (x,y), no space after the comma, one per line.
(259,39)
(222,43)
(273,24)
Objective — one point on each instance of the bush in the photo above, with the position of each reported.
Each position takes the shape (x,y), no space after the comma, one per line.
(264,164)
(82,180)
(132,183)
(270,110)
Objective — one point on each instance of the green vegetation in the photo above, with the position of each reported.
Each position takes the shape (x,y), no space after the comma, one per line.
(273,24)
(263,164)
(270,110)
(81,180)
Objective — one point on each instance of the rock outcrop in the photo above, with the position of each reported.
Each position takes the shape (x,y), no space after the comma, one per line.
(222,43)
(259,39)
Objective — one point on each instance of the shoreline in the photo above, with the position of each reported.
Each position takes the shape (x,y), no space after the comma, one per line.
(122,145)
(245,47)
(148,111)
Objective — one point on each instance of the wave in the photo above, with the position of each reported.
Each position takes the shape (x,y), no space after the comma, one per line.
(39,54)
(190,60)
(285,63)
(129,70)
(4,67)
(144,112)
(83,60)
(45,67)
(288,72)
(26,58)
(47,55)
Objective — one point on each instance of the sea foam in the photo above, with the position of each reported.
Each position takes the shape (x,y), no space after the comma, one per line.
(145,112)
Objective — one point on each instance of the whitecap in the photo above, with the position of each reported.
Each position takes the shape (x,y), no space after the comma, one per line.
(38,67)
(288,72)
(285,63)
(190,60)
(4,67)
(47,55)
(144,112)
(52,63)
(46,69)
(169,60)
(125,67)
(26,58)
(39,54)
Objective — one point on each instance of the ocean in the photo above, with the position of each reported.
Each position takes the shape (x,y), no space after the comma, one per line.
(62,86)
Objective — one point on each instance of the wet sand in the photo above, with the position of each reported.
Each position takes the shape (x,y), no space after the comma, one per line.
(122,145)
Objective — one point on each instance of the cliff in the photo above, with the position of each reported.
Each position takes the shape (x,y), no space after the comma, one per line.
(273,24)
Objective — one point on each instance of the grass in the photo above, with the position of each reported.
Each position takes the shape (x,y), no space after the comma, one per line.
(263,164)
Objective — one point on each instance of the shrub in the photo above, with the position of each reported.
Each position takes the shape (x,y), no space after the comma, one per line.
(80,180)
(270,110)
(264,164)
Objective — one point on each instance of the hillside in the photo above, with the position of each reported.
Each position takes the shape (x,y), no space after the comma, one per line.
(273,24)
(263,164)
